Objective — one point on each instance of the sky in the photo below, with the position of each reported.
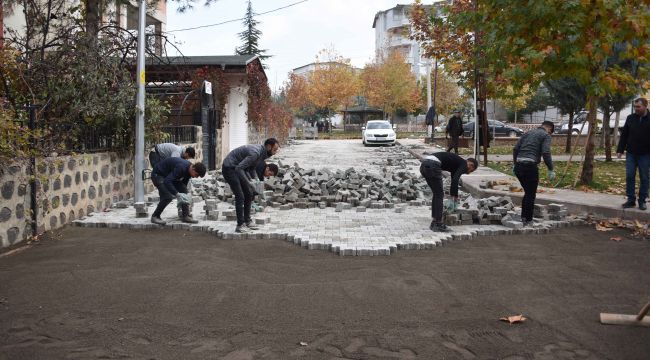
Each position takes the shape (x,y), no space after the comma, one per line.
(293,35)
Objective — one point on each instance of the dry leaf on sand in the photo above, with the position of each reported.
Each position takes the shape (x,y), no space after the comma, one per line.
(616,238)
(513,319)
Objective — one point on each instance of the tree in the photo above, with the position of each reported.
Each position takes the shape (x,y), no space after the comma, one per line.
(515,100)
(532,41)
(389,84)
(250,37)
(448,94)
(538,102)
(333,82)
(611,104)
(570,97)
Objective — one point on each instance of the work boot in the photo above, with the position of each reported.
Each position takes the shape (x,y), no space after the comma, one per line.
(528,223)
(189,220)
(439,228)
(251,225)
(186,217)
(242,229)
(642,206)
(629,204)
(157,220)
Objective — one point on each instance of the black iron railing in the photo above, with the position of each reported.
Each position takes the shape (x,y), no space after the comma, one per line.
(184,134)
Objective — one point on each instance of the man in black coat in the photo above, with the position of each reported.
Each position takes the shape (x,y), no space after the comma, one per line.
(431,169)
(455,130)
(635,140)
(170,177)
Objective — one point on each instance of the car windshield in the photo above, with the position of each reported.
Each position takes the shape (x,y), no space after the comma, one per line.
(378,125)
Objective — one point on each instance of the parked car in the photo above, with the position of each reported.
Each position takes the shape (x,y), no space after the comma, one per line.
(378,132)
(497,128)
(442,126)
(580,118)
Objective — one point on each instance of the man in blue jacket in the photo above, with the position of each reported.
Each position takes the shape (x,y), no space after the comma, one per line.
(635,140)
(170,177)
(238,170)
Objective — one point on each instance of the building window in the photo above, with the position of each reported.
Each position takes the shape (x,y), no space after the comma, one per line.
(397,15)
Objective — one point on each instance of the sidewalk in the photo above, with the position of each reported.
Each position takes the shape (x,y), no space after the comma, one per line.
(576,201)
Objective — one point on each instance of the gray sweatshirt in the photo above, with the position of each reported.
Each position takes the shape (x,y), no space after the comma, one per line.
(167,150)
(533,146)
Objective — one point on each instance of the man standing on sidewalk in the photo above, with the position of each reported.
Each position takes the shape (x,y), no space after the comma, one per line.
(455,130)
(239,171)
(635,139)
(530,149)
(431,169)
(170,177)
(163,151)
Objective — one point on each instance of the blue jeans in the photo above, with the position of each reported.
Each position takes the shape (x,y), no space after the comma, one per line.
(632,162)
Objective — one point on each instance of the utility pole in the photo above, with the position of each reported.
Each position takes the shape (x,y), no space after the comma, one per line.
(430,127)
(138,179)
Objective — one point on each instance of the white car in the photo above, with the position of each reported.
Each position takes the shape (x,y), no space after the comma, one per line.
(378,132)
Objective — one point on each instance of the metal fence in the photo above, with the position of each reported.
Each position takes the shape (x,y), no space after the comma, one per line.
(184,134)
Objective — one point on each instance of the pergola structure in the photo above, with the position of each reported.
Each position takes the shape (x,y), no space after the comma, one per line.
(357,116)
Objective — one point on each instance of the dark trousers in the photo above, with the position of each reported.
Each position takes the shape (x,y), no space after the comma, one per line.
(166,196)
(632,162)
(243,195)
(453,144)
(432,173)
(528,176)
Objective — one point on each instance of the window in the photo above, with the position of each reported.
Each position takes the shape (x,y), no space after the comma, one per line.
(378,125)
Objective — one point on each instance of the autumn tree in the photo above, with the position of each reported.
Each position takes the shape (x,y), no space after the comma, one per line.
(333,83)
(250,37)
(448,94)
(515,100)
(389,84)
(570,97)
(532,41)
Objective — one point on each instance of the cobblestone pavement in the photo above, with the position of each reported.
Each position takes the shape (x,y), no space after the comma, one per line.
(349,232)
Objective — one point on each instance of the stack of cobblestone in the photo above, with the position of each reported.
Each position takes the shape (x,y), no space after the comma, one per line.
(500,210)
(295,187)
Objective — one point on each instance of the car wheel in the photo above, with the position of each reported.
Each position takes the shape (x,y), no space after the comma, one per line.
(512,134)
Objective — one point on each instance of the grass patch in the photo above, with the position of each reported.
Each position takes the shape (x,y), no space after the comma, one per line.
(609,177)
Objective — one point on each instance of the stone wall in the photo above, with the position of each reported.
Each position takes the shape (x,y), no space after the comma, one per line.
(68,188)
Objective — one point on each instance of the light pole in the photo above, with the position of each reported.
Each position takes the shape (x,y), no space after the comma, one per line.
(138,179)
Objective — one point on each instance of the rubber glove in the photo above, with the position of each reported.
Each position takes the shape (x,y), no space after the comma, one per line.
(551,175)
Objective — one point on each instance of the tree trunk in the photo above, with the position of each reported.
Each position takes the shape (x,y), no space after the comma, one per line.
(93,17)
(608,138)
(601,143)
(616,124)
(568,136)
(587,174)
(2,28)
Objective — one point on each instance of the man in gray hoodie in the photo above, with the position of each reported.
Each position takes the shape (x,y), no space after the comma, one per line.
(238,170)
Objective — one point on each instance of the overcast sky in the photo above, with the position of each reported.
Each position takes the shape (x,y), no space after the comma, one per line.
(293,35)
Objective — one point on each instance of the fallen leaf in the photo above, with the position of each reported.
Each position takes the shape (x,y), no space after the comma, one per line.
(616,238)
(302,343)
(600,227)
(513,319)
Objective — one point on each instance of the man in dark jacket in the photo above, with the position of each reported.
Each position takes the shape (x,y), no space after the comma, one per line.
(431,169)
(455,130)
(170,177)
(635,140)
(527,153)
(239,171)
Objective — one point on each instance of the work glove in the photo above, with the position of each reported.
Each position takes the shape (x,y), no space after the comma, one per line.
(183,199)
(252,188)
(551,175)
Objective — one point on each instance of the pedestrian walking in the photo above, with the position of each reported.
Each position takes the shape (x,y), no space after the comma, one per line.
(527,153)
(170,177)
(166,150)
(239,170)
(635,143)
(431,169)
(455,130)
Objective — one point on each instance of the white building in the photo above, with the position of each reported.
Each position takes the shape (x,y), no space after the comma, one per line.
(392,29)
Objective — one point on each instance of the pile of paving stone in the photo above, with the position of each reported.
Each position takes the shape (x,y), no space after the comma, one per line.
(295,187)
(500,210)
